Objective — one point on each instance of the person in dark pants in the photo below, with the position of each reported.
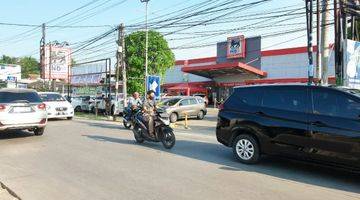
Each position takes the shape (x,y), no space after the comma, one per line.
(149,109)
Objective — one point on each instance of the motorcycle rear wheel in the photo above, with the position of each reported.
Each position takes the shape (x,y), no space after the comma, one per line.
(168,139)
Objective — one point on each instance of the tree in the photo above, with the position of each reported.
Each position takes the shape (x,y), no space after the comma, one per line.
(8,60)
(29,65)
(160,58)
(357,31)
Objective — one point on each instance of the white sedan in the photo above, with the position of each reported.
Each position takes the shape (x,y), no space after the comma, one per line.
(56,105)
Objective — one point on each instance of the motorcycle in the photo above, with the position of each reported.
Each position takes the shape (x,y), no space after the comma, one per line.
(127,118)
(163,132)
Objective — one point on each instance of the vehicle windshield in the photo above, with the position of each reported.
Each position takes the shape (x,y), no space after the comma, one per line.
(169,102)
(17,97)
(51,97)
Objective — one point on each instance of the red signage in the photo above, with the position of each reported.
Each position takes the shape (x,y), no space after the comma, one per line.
(236,47)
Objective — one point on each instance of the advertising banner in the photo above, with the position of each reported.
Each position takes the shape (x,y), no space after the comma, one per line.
(353,64)
(236,47)
(57,62)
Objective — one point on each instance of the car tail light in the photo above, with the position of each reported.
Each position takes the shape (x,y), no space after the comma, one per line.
(221,107)
(2,107)
(43,121)
(41,106)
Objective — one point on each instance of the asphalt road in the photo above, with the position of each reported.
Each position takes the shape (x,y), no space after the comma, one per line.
(95,160)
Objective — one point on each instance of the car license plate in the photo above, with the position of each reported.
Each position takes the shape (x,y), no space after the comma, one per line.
(61,113)
(22,109)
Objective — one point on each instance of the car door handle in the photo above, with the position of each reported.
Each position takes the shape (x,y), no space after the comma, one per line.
(318,123)
(260,113)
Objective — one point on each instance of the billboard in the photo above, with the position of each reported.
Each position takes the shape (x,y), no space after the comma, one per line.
(236,47)
(57,62)
(8,71)
(353,64)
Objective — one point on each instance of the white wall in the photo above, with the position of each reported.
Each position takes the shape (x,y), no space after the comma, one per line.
(290,66)
(175,75)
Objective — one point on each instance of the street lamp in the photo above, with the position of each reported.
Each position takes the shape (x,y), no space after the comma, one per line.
(146,40)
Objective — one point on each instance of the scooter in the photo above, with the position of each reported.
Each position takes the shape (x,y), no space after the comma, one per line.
(127,118)
(163,132)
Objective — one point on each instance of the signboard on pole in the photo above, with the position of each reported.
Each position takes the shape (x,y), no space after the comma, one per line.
(353,64)
(57,62)
(153,83)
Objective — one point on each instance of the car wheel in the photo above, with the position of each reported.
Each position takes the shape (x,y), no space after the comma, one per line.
(173,117)
(69,118)
(39,131)
(201,115)
(77,109)
(246,149)
(92,110)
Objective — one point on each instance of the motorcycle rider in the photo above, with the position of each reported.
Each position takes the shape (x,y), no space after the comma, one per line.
(149,109)
(134,101)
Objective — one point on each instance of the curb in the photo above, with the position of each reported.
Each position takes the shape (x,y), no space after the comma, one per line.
(12,193)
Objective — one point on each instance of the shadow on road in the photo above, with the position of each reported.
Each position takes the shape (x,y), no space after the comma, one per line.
(276,167)
(118,126)
(13,134)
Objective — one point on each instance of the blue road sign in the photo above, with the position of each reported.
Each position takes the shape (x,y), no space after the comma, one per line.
(153,83)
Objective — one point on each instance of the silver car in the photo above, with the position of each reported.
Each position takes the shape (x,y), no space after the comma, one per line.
(179,107)
(22,109)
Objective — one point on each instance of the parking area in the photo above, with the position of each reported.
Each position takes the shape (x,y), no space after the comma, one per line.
(85,159)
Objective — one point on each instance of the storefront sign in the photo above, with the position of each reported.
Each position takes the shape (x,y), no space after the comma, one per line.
(236,47)
(353,63)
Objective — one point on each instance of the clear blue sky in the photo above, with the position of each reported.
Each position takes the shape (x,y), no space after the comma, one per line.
(131,11)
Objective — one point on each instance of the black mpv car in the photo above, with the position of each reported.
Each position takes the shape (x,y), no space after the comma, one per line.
(315,123)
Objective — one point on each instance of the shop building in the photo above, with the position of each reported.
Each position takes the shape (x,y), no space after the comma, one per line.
(240,61)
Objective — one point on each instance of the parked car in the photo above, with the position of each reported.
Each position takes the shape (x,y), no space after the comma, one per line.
(203,96)
(22,109)
(318,124)
(81,103)
(117,107)
(56,105)
(178,107)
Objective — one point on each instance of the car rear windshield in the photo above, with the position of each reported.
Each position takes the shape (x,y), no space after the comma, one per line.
(52,97)
(15,97)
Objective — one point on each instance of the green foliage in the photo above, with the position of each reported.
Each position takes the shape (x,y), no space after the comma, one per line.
(160,58)
(29,65)
(8,60)
(357,32)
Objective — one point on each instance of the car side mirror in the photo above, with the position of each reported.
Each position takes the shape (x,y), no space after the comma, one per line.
(181,104)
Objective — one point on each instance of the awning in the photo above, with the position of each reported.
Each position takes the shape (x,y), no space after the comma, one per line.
(214,70)
(188,88)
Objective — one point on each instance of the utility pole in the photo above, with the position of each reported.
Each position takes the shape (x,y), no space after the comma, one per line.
(42,51)
(120,55)
(309,20)
(50,63)
(318,63)
(343,25)
(146,41)
(337,38)
(324,42)
(123,66)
